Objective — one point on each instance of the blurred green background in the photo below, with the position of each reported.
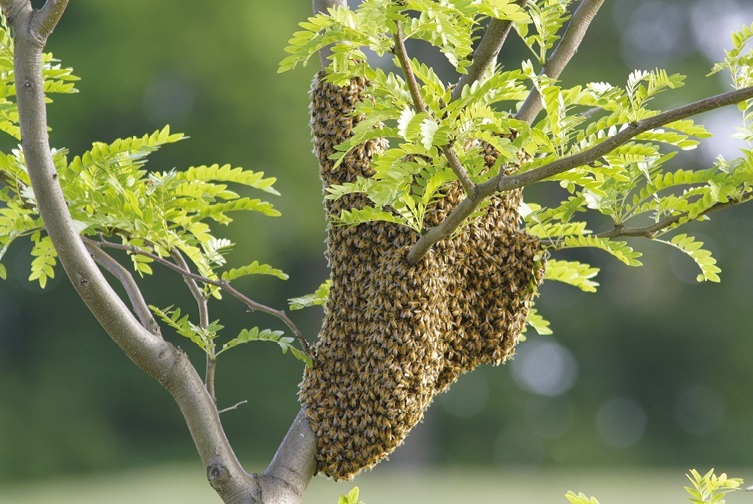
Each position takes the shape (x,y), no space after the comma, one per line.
(654,370)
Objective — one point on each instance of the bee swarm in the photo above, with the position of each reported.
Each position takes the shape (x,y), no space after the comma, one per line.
(394,334)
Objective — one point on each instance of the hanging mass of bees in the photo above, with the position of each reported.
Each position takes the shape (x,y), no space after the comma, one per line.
(395,334)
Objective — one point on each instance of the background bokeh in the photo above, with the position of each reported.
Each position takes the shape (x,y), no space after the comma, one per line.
(653,370)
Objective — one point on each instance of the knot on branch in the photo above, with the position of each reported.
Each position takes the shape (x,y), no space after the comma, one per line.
(218,476)
(396,334)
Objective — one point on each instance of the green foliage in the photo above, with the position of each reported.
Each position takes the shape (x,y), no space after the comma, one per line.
(706,489)
(547,17)
(580,498)
(318,298)
(350,498)
(634,186)
(204,337)
(253,269)
(573,273)
(150,213)
(254,334)
(702,257)
(448,26)
(57,80)
(18,217)
(537,322)
(737,61)
(710,488)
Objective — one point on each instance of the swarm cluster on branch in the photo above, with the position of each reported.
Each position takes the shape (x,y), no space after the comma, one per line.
(396,334)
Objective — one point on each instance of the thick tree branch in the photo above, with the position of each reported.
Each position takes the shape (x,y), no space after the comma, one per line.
(151,353)
(48,16)
(563,53)
(486,53)
(502,183)
(294,463)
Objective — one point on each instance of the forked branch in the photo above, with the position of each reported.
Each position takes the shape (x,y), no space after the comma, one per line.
(129,285)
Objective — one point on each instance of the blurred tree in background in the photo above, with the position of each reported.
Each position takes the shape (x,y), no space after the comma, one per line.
(647,372)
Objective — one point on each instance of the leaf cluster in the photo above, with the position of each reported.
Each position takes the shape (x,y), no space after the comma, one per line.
(710,488)
(707,489)
(204,337)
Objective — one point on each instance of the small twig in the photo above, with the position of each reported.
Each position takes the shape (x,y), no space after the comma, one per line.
(203,304)
(129,284)
(231,408)
(652,230)
(280,314)
(508,183)
(223,284)
(563,53)
(410,79)
(404,59)
(486,53)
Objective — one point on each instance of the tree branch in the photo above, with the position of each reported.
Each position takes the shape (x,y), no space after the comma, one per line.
(294,463)
(563,53)
(502,183)
(203,305)
(222,284)
(611,143)
(129,284)
(657,227)
(48,16)
(486,53)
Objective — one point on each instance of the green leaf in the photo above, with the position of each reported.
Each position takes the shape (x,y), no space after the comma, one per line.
(254,334)
(619,249)
(573,273)
(43,264)
(539,323)
(255,268)
(547,18)
(318,298)
(580,498)
(363,215)
(226,173)
(202,337)
(350,498)
(710,488)
(687,244)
